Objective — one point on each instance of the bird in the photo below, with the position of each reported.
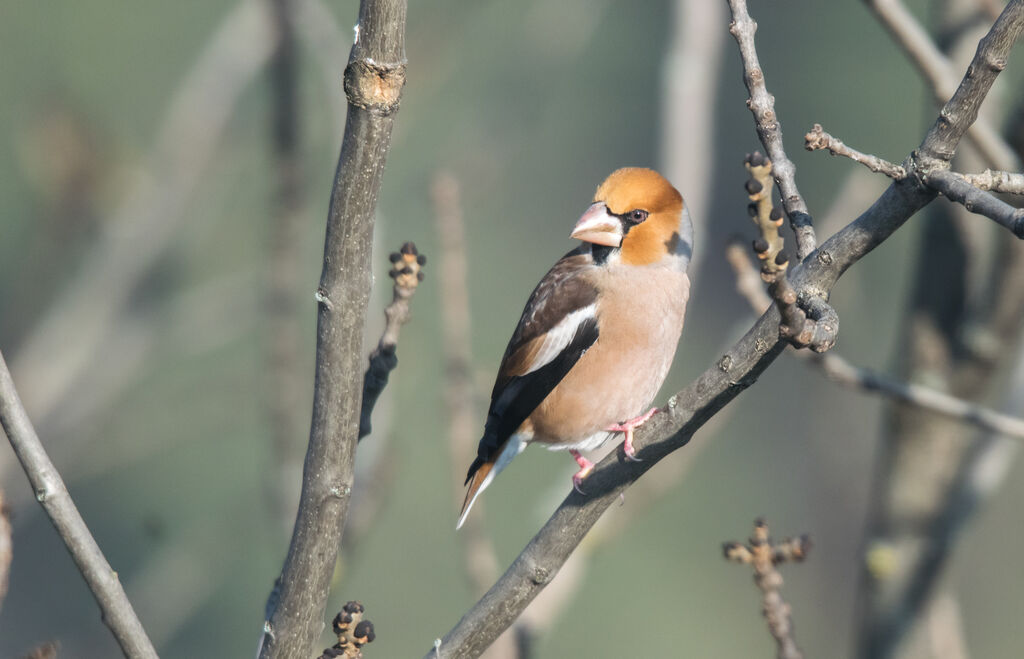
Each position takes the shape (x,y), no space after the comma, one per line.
(598,334)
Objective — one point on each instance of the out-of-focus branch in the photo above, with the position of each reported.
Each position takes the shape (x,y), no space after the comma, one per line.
(941,76)
(841,371)
(946,629)
(55,499)
(763,556)
(953,336)
(691,71)
(955,188)
(748,283)
(479,558)
(60,349)
(762,105)
(284,377)
(406,270)
(6,549)
(818,139)
(374,79)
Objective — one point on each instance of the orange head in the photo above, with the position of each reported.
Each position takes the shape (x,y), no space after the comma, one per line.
(638,211)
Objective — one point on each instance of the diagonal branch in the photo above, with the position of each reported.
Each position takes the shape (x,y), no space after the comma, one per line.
(739,368)
(818,139)
(55,499)
(996,181)
(955,188)
(60,350)
(939,72)
(374,79)
(960,112)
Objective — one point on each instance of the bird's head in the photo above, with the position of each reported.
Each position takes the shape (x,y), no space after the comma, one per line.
(639,212)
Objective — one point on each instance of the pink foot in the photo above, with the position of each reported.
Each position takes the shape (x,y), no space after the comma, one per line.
(586,466)
(627,427)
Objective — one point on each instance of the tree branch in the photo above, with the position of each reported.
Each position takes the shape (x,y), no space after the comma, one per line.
(818,139)
(374,79)
(689,409)
(939,72)
(961,111)
(1006,182)
(55,499)
(955,188)
(762,106)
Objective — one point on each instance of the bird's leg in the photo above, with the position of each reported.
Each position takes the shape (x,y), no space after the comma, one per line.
(627,427)
(586,466)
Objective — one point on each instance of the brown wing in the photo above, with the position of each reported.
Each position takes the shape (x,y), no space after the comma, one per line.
(557,326)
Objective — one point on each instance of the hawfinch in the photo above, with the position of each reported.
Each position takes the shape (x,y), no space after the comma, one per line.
(598,334)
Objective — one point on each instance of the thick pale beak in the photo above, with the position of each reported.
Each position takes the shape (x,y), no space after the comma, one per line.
(598,226)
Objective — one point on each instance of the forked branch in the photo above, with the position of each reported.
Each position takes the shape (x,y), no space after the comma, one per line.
(689,409)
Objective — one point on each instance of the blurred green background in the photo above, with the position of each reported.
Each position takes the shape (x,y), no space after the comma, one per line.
(529,104)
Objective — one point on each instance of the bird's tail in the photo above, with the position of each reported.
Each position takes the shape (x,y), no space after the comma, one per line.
(482,472)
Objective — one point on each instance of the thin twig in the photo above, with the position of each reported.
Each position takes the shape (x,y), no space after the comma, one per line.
(763,556)
(839,370)
(995,181)
(762,106)
(55,499)
(818,139)
(955,188)
(374,79)
(941,76)
(406,270)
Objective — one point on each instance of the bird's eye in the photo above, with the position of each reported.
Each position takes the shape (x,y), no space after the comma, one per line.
(636,216)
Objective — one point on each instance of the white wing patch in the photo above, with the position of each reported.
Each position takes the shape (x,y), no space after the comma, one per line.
(559,336)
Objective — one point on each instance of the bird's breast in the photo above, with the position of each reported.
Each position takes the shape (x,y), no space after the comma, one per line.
(640,318)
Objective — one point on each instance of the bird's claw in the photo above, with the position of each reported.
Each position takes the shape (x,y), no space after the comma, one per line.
(576,480)
(627,427)
(586,466)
